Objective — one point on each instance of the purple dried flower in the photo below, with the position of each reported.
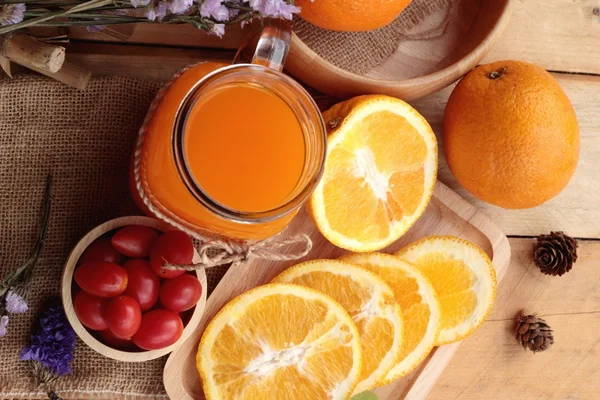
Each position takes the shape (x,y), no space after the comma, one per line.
(234,12)
(122,11)
(137,3)
(274,8)
(95,28)
(218,29)
(11,14)
(150,14)
(15,304)
(214,9)
(3,325)
(180,6)
(161,10)
(53,343)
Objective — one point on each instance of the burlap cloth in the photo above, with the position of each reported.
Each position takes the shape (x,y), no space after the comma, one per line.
(85,140)
(359,52)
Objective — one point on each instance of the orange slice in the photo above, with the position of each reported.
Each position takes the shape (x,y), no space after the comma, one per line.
(370,303)
(463,277)
(418,302)
(379,175)
(280,341)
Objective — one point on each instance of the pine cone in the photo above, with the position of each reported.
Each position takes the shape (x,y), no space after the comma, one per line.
(554,254)
(533,333)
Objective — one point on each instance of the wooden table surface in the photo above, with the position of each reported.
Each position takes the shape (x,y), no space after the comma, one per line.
(562,36)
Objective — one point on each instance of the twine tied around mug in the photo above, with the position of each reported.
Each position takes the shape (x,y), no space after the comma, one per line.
(215,252)
(220,252)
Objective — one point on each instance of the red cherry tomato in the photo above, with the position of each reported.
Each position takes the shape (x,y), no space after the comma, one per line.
(173,247)
(109,339)
(90,310)
(101,250)
(123,316)
(101,278)
(134,241)
(181,293)
(143,284)
(160,328)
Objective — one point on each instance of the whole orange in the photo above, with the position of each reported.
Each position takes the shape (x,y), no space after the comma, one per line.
(351,15)
(511,136)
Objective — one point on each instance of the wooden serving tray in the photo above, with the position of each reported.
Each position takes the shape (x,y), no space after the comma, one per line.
(447,214)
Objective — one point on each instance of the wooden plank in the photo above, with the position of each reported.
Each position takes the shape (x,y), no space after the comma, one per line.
(142,62)
(575,210)
(490,365)
(560,35)
(183,35)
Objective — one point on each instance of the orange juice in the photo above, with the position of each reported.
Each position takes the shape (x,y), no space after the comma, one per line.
(244,147)
(233,150)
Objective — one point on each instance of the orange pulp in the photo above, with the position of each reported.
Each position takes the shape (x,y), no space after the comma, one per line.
(243,145)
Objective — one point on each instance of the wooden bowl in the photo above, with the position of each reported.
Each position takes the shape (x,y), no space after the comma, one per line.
(418,67)
(67,300)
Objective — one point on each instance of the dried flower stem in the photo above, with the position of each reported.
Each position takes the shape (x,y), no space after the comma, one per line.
(44,379)
(21,276)
(91,4)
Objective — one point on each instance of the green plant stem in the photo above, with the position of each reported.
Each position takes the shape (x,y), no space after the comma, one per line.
(90,15)
(239,6)
(4,2)
(123,7)
(242,17)
(92,22)
(91,4)
(43,8)
(48,6)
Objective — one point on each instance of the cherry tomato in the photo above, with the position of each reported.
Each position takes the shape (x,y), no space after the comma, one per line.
(123,316)
(181,293)
(101,250)
(109,339)
(134,241)
(90,310)
(101,278)
(173,247)
(143,284)
(160,328)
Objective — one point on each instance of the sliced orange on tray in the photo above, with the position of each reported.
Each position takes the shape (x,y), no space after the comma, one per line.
(379,175)
(418,302)
(280,341)
(463,277)
(370,303)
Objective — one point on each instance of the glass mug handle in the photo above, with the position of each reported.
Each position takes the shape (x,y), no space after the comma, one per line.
(268,47)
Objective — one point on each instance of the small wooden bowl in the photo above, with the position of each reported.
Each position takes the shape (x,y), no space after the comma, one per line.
(67,300)
(418,67)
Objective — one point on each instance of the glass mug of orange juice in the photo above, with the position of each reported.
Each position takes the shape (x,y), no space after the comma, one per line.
(231,149)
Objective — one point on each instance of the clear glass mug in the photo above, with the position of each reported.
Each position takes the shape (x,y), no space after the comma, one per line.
(161,179)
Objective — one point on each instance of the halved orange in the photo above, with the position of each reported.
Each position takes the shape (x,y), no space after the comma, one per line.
(418,302)
(280,341)
(463,277)
(370,303)
(379,175)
